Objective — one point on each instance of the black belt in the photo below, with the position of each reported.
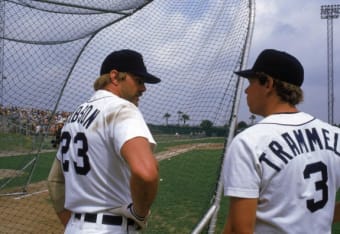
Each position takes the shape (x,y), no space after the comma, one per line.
(107,219)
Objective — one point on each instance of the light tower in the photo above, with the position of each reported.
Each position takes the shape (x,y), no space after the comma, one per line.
(2,30)
(330,12)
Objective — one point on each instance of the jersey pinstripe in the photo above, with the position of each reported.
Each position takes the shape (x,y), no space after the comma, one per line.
(96,175)
(290,162)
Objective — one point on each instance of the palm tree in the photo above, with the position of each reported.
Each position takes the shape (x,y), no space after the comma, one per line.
(166,116)
(179,113)
(185,118)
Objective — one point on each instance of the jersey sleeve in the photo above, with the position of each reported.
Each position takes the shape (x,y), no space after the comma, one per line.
(241,172)
(130,124)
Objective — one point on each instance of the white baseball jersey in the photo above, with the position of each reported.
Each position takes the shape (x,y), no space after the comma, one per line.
(96,175)
(291,163)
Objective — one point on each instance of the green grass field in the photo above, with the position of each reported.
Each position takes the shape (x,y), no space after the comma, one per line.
(186,188)
(187,185)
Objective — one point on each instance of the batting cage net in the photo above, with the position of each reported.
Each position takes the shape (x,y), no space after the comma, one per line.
(50,55)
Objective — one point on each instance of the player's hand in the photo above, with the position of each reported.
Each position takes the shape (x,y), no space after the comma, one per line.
(128,212)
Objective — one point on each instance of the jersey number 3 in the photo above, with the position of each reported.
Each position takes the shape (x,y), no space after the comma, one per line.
(81,141)
(321,184)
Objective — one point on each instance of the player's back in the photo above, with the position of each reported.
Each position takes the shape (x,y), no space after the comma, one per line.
(298,160)
(96,175)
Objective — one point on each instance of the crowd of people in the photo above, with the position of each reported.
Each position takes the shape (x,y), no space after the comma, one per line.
(30,121)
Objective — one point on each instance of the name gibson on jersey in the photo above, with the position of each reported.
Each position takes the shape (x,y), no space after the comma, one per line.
(84,115)
(299,142)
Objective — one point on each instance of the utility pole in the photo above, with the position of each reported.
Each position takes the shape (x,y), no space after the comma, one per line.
(2,32)
(330,12)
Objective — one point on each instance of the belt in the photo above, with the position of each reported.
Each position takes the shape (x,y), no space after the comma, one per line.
(107,219)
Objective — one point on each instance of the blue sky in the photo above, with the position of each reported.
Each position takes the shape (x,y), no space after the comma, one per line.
(296,27)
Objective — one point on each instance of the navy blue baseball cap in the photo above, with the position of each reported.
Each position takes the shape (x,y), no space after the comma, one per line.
(128,61)
(277,64)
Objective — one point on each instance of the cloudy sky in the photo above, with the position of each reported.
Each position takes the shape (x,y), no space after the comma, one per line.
(296,27)
(289,25)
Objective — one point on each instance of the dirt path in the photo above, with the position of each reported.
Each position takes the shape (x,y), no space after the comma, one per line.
(18,153)
(176,150)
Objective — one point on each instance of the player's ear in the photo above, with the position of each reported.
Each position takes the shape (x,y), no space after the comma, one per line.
(269,82)
(270,86)
(114,77)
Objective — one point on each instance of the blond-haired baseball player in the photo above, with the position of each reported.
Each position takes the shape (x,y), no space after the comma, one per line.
(105,177)
(281,174)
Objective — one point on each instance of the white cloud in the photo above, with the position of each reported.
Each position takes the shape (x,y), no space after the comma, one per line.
(296,27)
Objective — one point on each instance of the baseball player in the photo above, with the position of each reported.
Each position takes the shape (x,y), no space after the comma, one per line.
(105,177)
(281,174)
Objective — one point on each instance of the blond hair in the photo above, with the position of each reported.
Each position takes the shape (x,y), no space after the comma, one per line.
(288,92)
(105,79)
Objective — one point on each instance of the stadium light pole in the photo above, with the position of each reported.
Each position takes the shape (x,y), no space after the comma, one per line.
(330,12)
(2,23)
(2,90)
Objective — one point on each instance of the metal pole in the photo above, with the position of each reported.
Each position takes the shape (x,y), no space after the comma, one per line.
(2,32)
(233,122)
(2,91)
(3,78)
(330,70)
(330,12)
(205,220)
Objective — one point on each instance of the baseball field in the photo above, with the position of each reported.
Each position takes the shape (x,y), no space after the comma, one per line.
(188,175)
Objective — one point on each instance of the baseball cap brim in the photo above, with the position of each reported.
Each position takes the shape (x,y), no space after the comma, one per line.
(246,73)
(147,77)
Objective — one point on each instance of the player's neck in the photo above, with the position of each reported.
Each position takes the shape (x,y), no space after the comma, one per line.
(283,109)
